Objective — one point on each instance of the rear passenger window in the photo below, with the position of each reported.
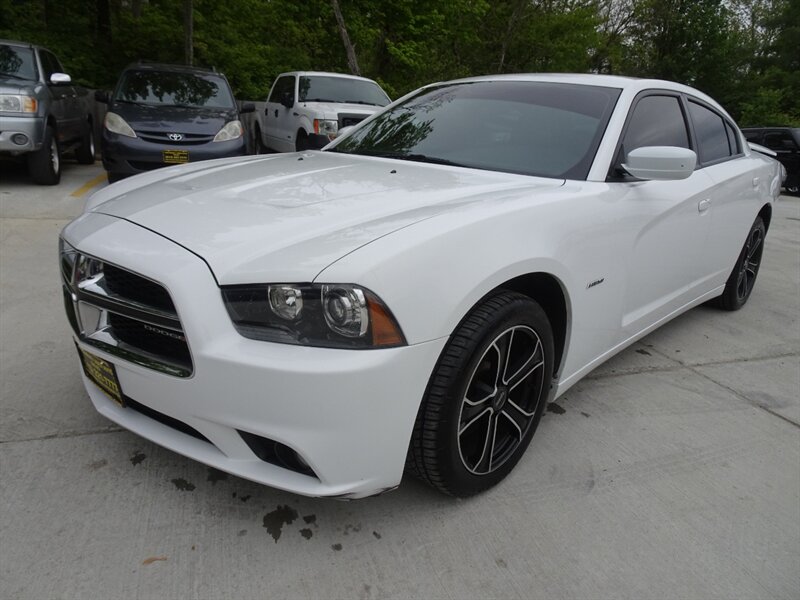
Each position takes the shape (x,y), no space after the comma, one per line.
(779,140)
(712,135)
(656,121)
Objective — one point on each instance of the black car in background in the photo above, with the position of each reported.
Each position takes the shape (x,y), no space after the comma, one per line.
(785,142)
(160,115)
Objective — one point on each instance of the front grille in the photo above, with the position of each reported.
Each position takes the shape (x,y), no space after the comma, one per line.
(128,285)
(124,314)
(153,340)
(162,137)
(164,419)
(349,120)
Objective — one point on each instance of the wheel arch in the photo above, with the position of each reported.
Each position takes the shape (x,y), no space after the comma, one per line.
(766,215)
(550,293)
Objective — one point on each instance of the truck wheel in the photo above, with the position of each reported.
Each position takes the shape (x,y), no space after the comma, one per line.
(302,141)
(44,165)
(85,152)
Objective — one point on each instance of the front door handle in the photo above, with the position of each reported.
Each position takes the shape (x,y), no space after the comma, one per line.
(704,205)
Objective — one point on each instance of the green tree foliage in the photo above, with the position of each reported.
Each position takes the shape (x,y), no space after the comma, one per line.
(742,52)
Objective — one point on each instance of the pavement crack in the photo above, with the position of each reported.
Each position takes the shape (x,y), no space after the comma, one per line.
(66,434)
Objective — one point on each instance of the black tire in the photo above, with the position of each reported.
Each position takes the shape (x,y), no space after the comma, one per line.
(85,153)
(793,190)
(449,442)
(301,143)
(44,165)
(743,277)
(115,177)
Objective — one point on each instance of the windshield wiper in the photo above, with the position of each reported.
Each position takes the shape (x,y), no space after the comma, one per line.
(361,102)
(318,100)
(134,102)
(414,157)
(15,76)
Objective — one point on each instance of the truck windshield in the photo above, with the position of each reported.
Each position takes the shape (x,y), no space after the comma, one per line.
(527,127)
(17,62)
(163,88)
(341,89)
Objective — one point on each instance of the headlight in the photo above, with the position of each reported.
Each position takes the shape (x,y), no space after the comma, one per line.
(116,124)
(17,104)
(231,131)
(326,127)
(324,315)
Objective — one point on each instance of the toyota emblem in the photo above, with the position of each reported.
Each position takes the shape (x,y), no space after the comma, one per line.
(175,137)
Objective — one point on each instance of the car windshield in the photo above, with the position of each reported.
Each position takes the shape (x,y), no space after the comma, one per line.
(164,88)
(341,89)
(17,62)
(532,128)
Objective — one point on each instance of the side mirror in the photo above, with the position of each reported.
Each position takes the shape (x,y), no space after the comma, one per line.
(247,107)
(287,100)
(101,96)
(661,163)
(60,79)
(344,131)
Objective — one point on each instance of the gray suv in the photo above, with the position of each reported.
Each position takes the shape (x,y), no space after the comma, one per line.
(42,114)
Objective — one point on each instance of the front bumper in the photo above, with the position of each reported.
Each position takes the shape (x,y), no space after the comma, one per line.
(347,413)
(31,127)
(124,155)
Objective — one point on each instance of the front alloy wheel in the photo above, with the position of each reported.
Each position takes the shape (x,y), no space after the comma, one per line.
(485,396)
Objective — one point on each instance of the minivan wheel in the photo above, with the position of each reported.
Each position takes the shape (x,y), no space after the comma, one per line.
(44,165)
(85,153)
(485,397)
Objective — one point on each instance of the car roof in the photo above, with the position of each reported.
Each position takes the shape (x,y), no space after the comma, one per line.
(17,43)
(149,66)
(327,74)
(632,84)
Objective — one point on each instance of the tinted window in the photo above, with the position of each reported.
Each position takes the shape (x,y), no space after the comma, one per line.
(733,138)
(284,85)
(779,140)
(712,138)
(533,128)
(656,121)
(17,62)
(164,88)
(341,89)
(752,136)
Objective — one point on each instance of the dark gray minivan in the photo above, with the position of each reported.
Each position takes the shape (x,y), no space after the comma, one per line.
(161,115)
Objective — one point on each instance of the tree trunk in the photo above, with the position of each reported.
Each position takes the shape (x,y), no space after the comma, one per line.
(188,28)
(352,60)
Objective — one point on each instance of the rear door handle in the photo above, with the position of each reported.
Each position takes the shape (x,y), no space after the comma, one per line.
(704,205)
(276,112)
(756,181)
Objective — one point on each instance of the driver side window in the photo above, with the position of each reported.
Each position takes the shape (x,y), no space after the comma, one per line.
(656,121)
(284,85)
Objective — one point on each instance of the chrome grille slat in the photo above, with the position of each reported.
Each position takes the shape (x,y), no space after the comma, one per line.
(124,313)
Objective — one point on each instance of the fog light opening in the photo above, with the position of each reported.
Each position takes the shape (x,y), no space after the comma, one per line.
(20,139)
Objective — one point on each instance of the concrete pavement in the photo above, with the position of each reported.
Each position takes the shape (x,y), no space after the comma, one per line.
(672,471)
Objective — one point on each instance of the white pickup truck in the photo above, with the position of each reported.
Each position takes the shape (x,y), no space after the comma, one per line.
(306,109)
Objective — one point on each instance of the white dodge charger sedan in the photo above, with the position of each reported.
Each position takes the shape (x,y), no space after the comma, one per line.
(411,296)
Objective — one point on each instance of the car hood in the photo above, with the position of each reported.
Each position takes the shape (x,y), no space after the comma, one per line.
(332,109)
(202,121)
(287,217)
(11,85)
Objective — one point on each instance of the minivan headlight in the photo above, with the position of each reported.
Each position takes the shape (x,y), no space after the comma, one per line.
(232,131)
(323,315)
(116,124)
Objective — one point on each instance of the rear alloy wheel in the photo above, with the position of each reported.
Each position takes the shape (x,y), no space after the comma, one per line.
(44,165)
(485,397)
(743,278)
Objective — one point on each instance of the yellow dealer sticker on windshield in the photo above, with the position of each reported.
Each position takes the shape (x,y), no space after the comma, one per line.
(103,374)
